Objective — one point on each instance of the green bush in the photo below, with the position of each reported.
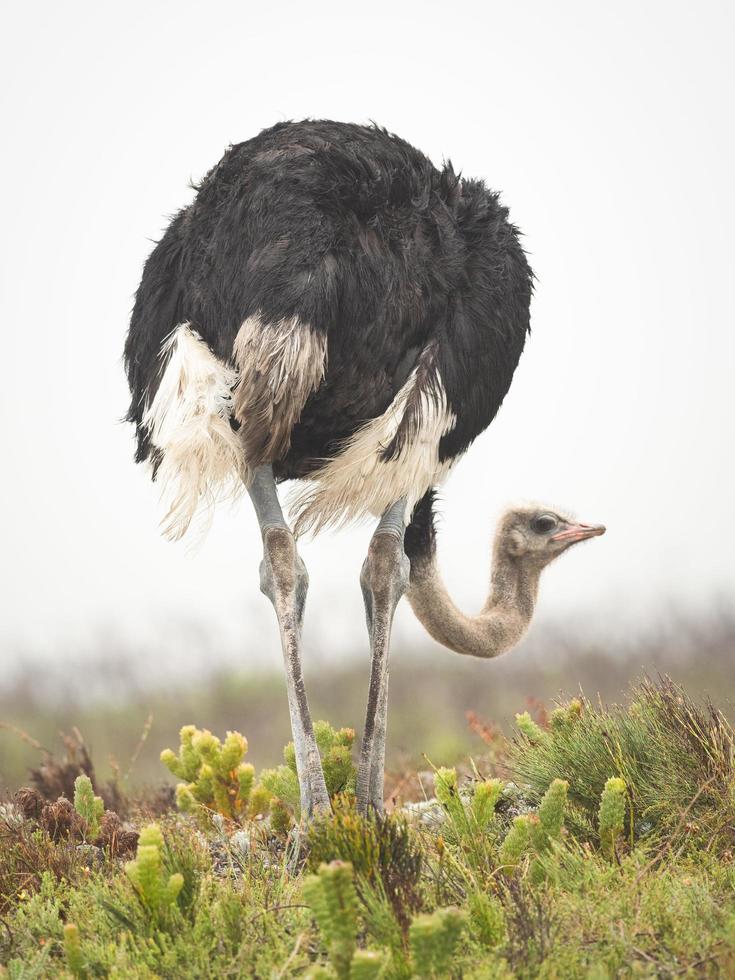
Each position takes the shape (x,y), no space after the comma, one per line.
(433,940)
(340,772)
(89,807)
(156,889)
(73,951)
(673,755)
(215,777)
(612,815)
(333,900)
(382,849)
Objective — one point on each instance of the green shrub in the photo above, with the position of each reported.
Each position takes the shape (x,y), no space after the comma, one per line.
(367,965)
(517,841)
(484,801)
(612,814)
(333,900)
(533,732)
(381,848)
(433,940)
(471,824)
(487,918)
(340,772)
(560,894)
(673,755)
(156,890)
(215,777)
(73,951)
(89,807)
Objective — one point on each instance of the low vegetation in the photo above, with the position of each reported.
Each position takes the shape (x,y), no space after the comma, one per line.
(598,843)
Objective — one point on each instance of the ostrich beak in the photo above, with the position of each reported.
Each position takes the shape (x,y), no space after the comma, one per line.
(578,532)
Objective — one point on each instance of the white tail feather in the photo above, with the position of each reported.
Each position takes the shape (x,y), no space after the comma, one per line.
(360,481)
(202,459)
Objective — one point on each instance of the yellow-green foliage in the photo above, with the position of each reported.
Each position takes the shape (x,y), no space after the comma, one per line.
(156,890)
(73,951)
(534,734)
(533,832)
(433,940)
(487,918)
(332,898)
(551,814)
(340,773)
(384,852)
(612,814)
(547,827)
(215,777)
(447,792)
(281,820)
(260,801)
(516,841)
(367,965)
(472,812)
(88,806)
(484,801)
(675,755)
(672,908)
(563,718)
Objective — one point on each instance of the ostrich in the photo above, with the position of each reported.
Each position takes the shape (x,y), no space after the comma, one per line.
(333,309)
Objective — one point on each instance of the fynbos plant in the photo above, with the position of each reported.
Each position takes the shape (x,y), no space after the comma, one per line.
(89,807)
(612,815)
(332,898)
(550,815)
(534,832)
(548,827)
(367,965)
(335,749)
(487,918)
(433,940)
(484,801)
(156,890)
(73,951)
(382,849)
(533,732)
(564,718)
(215,777)
(516,841)
(471,812)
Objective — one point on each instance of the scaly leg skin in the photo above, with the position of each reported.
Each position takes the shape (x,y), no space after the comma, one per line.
(284,579)
(384,579)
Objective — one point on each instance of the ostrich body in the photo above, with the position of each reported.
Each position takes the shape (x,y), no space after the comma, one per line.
(332,308)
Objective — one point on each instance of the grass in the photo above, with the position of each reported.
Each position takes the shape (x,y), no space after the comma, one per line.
(598,842)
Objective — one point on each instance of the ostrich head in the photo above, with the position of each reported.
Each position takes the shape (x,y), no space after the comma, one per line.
(538,535)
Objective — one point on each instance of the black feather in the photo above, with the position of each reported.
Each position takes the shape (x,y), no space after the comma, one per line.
(354,231)
(420,539)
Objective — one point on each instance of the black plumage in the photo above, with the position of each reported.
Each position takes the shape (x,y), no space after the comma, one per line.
(352,230)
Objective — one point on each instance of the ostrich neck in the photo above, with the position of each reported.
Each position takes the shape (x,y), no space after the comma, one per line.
(502,621)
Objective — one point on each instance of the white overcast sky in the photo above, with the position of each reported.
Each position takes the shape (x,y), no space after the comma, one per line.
(609,130)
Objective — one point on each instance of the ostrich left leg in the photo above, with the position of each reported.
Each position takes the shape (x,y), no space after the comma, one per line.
(283,578)
(384,579)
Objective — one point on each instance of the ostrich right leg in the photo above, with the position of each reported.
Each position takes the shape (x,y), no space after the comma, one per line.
(384,579)
(283,578)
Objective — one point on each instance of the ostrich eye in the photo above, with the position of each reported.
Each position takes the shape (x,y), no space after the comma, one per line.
(544,523)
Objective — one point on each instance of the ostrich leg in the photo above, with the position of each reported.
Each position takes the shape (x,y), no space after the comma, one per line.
(283,578)
(384,579)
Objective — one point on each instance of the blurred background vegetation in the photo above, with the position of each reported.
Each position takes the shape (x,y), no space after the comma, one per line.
(441,705)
